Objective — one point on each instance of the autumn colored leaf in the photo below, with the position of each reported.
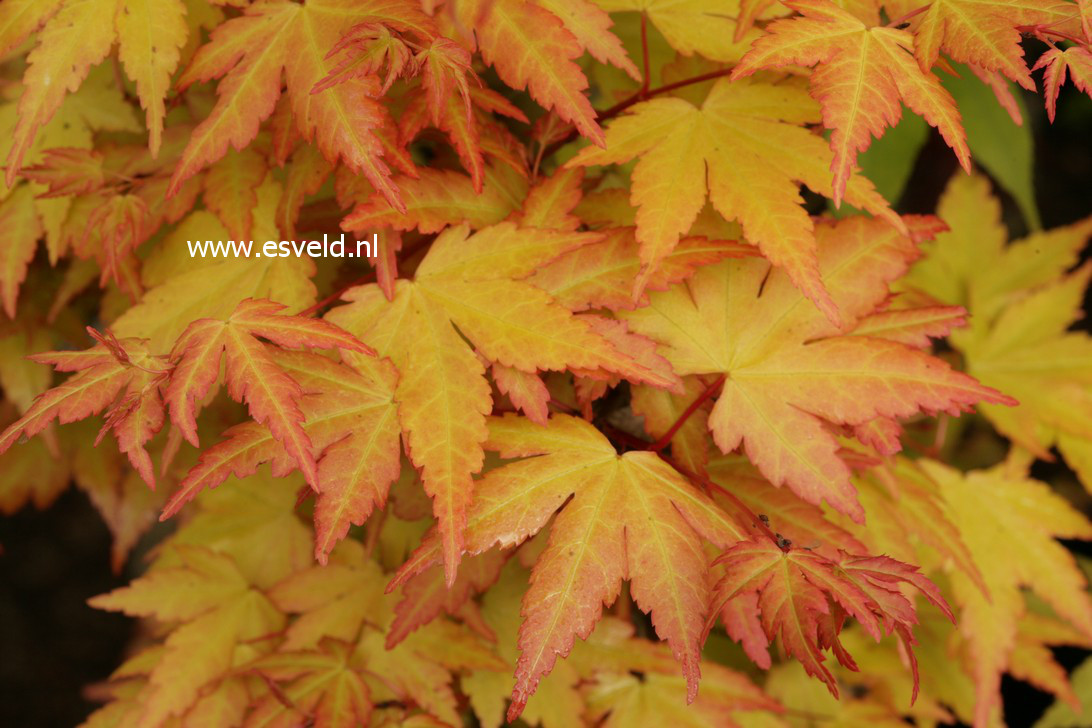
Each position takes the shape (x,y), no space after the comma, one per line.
(220,616)
(150,37)
(120,375)
(442,395)
(619,393)
(803,598)
(664,516)
(250,52)
(19,218)
(863,74)
(779,389)
(1077,61)
(986,34)
(531,48)
(997,509)
(1019,339)
(359,444)
(251,374)
(685,151)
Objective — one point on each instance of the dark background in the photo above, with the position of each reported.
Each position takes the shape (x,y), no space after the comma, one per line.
(52,645)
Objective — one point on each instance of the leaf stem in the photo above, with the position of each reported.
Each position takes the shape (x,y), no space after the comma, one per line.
(637,98)
(701,399)
(710,485)
(913,13)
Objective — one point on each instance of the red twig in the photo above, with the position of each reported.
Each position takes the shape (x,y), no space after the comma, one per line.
(702,398)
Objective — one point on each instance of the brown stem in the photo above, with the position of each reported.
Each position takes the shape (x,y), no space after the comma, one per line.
(702,398)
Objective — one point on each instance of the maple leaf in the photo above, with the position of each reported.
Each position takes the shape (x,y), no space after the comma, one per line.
(693,26)
(220,615)
(473,283)
(441,197)
(358,443)
(1009,523)
(150,39)
(803,597)
(474,135)
(213,287)
(251,51)
(252,375)
(981,32)
(426,596)
(344,600)
(231,191)
(1019,338)
(662,516)
(1076,60)
(788,369)
(321,684)
(67,171)
(150,36)
(747,146)
(601,275)
(102,373)
(19,218)
(65,53)
(252,520)
(862,76)
(531,48)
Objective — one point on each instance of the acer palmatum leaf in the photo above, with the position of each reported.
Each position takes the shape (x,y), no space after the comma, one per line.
(862,76)
(747,149)
(215,610)
(22,227)
(788,369)
(249,53)
(351,421)
(628,516)
(67,171)
(983,32)
(1076,60)
(120,375)
(475,284)
(252,374)
(530,49)
(803,598)
(1010,523)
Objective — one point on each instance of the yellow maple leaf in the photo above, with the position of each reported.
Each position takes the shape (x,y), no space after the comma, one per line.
(748,148)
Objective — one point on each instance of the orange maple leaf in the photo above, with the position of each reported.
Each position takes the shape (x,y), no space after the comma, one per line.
(788,368)
(252,374)
(863,75)
(803,598)
(630,516)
